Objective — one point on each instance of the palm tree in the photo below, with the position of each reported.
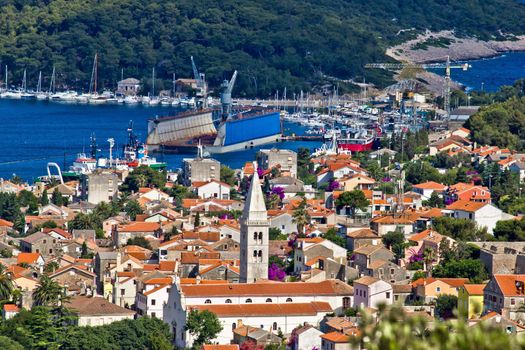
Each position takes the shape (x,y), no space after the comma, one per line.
(6,284)
(51,267)
(48,293)
(300,217)
(428,257)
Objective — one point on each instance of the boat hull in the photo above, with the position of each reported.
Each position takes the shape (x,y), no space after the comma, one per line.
(356,147)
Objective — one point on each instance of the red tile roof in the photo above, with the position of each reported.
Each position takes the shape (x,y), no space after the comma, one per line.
(431,185)
(328,287)
(335,337)
(6,223)
(267,309)
(140,227)
(468,206)
(28,258)
(59,231)
(507,284)
(220,347)
(474,289)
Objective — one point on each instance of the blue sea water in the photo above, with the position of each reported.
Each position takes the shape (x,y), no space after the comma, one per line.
(33,133)
(491,73)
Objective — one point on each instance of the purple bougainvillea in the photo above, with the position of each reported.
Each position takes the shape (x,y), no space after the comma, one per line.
(448,201)
(333,185)
(386,179)
(275,273)
(260,172)
(416,258)
(278,191)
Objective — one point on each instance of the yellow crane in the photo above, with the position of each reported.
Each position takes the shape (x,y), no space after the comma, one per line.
(444,65)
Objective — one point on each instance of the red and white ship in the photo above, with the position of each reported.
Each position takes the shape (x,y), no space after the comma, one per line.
(356,140)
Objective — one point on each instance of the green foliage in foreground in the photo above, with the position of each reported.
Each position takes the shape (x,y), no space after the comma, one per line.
(46,328)
(398,331)
(203,326)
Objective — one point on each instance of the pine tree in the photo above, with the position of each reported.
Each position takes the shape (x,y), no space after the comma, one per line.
(44,200)
(56,198)
(197,222)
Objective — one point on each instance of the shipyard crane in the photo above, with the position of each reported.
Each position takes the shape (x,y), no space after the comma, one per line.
(445,65)
(226,96)
(200,80)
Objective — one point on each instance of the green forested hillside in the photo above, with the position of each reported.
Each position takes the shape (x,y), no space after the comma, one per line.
(273,43)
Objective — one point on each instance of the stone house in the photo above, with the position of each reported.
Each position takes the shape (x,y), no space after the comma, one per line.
(386,271)
(365,255)
(361,237)
(77,278)
(40,242)
(504,294)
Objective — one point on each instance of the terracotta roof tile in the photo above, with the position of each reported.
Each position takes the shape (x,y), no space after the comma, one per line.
(28,258)
(267,309)
(468,206)
(507,284)
(367,280)
(220,347)
(431,185)
(474,289)
(328,287)
(94,306)
(6,223)
(363,233)
(335,337)
(140,227)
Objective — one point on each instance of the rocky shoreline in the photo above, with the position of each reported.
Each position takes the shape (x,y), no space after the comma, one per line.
(459,49)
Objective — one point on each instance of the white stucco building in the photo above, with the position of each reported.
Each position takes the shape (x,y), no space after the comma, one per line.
(371,292)
(272,305)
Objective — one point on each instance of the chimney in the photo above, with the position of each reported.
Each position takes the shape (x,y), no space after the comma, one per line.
(239,323)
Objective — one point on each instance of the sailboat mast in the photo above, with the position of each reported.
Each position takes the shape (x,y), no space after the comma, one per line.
(52,82)
(96,71)
(153,87)
(39,85)
(173,84)
(24,82)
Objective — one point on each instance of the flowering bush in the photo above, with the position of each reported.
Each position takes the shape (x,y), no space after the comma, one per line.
(278,191)
(333,185)
(275,273)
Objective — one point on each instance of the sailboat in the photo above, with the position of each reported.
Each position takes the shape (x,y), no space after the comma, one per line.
(9,93)
(4,93)
(24,93)
(153,101)
(40,95)
(93,96)
(16,94)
